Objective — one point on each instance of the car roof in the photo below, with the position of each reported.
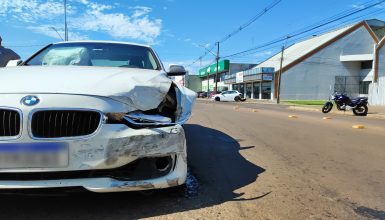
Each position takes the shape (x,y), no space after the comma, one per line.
(102,41)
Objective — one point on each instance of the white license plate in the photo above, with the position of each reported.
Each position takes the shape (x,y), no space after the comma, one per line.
(34,155)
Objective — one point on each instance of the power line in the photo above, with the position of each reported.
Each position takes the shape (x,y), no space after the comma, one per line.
(242,27)
(252,20)
(311,28)
(246,56)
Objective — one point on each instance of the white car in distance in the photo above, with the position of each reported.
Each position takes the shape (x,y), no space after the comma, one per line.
(229,96)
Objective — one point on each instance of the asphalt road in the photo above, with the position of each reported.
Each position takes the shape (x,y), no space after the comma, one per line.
(249,164)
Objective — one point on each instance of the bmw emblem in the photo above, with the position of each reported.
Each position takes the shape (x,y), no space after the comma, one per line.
(30,100)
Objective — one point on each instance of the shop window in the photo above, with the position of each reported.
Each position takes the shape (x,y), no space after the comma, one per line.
(256,90)
(241,88)
(266,90)
(248,90)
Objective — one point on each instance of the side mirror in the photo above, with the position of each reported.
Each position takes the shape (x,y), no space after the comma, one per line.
(13,63)
(176,70)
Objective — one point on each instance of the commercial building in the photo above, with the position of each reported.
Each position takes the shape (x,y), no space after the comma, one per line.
(225,68)
(349,60)
(255,83)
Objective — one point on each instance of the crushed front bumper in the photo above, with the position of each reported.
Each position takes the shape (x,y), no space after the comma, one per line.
(114,146)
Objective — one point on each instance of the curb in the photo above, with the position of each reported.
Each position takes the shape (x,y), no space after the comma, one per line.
(378,116)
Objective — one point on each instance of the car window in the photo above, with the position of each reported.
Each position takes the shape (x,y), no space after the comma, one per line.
(96,54)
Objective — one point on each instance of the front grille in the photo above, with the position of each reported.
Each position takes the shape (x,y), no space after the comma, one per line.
(64,123)
(9,123)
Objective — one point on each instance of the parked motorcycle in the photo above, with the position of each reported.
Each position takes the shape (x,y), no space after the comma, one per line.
(359,105)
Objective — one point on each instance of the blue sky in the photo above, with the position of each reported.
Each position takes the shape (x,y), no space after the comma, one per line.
(175,28)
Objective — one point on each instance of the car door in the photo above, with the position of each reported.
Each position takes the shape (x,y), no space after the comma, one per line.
(224,96)
(230,96)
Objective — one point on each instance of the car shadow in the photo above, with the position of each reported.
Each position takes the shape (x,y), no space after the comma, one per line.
(216,167)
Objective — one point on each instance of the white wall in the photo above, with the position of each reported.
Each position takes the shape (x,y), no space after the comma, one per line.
(377,90)
(312,78)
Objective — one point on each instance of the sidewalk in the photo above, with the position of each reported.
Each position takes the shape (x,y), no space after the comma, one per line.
(375,111)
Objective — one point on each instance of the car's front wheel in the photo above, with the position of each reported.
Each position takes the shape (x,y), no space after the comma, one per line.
(217,99)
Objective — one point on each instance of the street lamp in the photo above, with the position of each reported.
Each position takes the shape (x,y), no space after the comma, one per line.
(53,28)
(65,21)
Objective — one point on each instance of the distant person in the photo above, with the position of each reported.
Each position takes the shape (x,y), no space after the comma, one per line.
(6,55)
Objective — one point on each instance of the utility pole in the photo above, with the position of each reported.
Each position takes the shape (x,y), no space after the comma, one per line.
(216,73)
(208,77)
(279,76)
(65,21)
(208,72)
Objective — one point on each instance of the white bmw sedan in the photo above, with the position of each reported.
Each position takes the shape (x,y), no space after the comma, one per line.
(104,116)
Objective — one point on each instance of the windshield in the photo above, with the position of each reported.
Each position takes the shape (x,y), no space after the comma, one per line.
(96,54)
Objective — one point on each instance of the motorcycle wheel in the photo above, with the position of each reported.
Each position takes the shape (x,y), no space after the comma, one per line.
(361,111)
(327,107)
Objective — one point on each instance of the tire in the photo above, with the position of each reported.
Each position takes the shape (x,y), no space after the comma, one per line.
(327,107)
(217,99)
(361,110)
(237,98)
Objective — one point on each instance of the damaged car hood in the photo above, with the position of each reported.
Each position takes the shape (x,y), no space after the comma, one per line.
(139,88)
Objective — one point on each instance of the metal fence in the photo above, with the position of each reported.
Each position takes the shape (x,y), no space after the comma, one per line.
(349,85)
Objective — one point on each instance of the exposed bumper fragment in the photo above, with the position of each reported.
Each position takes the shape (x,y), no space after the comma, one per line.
(119,147)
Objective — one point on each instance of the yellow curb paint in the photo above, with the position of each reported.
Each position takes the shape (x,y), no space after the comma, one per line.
(326,118)
(358,126)
(255,110)
(293,116)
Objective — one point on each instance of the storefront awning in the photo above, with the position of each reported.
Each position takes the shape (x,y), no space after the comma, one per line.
(223,66)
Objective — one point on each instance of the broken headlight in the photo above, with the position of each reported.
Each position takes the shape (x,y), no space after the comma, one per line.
(163,115)
(139,119)
(142,120)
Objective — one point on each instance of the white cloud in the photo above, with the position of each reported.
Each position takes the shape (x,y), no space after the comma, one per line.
(83,16)
(358,6)
(140,11)
(84,1)
(263,54)
(30,11)
(137,26)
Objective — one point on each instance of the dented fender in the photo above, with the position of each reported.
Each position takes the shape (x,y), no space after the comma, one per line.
(185,102)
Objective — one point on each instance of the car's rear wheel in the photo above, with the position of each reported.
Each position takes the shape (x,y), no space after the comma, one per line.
(217,99)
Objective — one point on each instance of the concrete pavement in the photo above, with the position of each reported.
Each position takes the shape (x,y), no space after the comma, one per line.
(250,165)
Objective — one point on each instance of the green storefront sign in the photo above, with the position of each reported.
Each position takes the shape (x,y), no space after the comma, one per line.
(223,66)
